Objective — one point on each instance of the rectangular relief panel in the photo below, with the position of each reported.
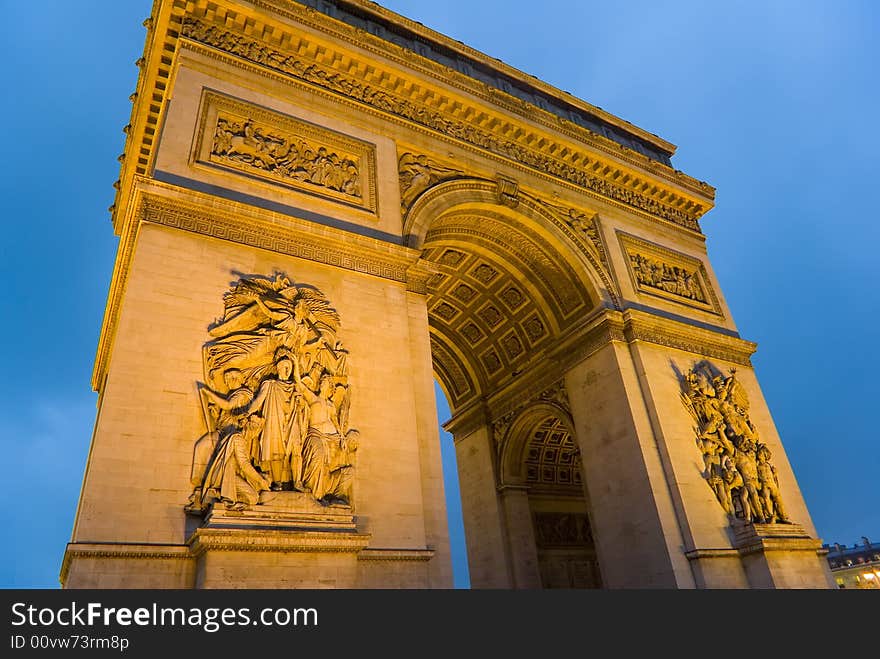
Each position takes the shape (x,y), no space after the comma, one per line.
(239,137)
(664,273)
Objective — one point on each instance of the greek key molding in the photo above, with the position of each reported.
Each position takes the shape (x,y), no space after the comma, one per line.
(376,555)
(204,540)
(274,239)
(660,272)
(240,137)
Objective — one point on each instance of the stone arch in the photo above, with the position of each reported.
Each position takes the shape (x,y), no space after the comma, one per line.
(514,443)
(546,507)
(553,221)
(510,279)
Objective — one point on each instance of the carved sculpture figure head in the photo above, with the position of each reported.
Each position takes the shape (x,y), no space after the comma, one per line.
(233,378)
(327,386)
(252,424)
(300,311)
(284,367)
(763,453)
(744,444)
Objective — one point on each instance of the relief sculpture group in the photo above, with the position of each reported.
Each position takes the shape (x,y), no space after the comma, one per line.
(737,465)
(275,399)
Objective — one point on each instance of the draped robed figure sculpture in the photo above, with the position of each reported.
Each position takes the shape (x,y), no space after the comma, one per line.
(275,400)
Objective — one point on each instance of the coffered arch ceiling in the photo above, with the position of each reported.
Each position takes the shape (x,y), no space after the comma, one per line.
(500,296)
(552,460)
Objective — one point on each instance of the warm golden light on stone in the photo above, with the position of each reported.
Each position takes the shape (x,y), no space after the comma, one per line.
(322,222)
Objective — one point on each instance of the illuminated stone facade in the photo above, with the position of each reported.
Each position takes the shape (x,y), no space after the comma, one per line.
(855,567)
(340,205)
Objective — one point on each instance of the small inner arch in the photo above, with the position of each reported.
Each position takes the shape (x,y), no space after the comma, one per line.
(558,505)
(552,459)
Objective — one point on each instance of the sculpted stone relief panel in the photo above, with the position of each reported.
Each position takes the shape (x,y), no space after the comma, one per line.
(282,150)
(417,173)
(737,465)
(671,275)
(585,226)
(275,399)
(562,529)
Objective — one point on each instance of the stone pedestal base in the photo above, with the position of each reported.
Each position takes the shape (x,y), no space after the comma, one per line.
(288,540)
(284,510)
(763,556)
(781,556)
(261,558)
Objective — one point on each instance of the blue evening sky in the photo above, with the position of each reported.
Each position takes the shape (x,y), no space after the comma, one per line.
(772,102)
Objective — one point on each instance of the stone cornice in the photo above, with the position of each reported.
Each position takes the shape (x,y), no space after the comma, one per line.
(460,118)
(631,326)
(469,417)
(649,328)
(122,551)
(416,102)
(376,44)
(491,94)
(148,101)
(171,206)
(762,538)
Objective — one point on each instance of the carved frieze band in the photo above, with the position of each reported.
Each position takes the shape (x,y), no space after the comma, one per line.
(613,185)
(613,326)
(204,540)
(717,350)
(282,150)
(267,237)
(664,273)
(95,551)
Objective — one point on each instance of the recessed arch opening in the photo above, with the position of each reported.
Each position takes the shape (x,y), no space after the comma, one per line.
(539,455)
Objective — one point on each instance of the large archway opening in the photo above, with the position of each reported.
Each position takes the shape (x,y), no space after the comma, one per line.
(506,287)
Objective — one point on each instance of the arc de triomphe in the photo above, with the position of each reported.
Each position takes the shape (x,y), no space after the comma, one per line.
(323,206)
